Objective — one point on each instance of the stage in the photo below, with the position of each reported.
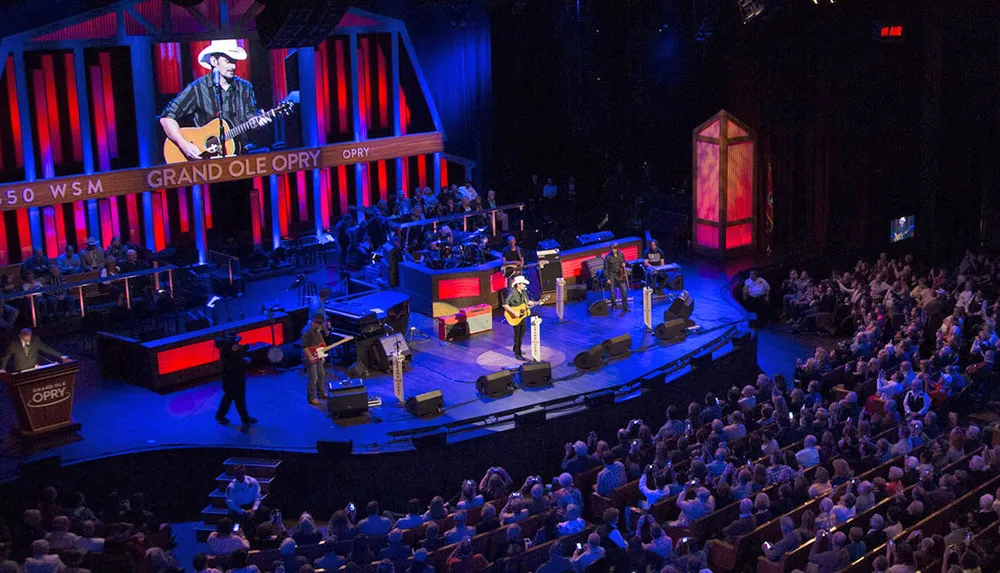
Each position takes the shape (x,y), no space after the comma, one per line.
(121,418)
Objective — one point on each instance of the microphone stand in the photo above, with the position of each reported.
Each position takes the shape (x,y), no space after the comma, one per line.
(216,76)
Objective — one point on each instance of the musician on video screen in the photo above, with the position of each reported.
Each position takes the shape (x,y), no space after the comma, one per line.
(197,104)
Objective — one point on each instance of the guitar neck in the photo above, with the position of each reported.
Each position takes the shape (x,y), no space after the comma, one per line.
(247,125)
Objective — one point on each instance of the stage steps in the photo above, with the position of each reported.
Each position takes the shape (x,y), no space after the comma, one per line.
(263,469)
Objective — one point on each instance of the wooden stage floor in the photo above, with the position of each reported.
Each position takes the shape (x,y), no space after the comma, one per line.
(119,418)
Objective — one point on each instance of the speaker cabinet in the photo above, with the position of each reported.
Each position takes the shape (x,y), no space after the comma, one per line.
(618,345)
(590,358)
(536,374)
(426,404)
(680,307)
(674,329)
(576,293)
(675,280)
(386,347)
(357,370)
(346,398)
(496,384)
(599,308)
(549,269)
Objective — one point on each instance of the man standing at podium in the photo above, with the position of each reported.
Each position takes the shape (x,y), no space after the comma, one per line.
(25,351)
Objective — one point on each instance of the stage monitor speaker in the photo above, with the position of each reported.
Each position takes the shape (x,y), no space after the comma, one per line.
(430,441)
(680,307)
(426,404)
(346,399)
(599,308)
(702,359)
(575,293)
(673,329)
(386,348)
(357,370)
(298,23)
(599,399)
(532,417)
(536,374)
(618,345)
(334,450)
(496,384)
(590,358)
(675,280)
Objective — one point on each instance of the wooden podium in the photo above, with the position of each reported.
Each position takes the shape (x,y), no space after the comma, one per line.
(43,398)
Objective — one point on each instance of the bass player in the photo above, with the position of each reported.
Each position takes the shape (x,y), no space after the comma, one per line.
(198,103)
(518,297)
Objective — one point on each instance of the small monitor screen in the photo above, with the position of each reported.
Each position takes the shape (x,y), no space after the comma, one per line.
(901,228)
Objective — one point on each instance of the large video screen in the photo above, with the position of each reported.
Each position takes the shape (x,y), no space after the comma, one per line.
(901,228)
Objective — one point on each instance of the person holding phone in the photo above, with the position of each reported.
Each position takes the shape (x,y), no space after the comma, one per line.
(587,554)
(226,538)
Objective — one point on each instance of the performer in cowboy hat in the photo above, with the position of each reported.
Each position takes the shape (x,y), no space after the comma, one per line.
(518,296)
(197,103)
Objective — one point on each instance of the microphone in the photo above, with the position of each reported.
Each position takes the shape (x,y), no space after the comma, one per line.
(216,78)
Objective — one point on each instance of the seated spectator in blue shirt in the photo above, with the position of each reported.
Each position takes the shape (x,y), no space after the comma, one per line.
(611,477)
(808,456)
(413,516)
(460,531)
(395,550)
(374,525)
(69,262)
(330,561)
(717,466)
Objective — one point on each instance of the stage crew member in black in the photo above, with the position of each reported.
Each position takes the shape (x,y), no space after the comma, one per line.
(198,102)
(234,379)
(518,296)
(614,275)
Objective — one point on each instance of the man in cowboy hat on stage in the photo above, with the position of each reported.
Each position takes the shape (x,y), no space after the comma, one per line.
(517,296)
(198,102)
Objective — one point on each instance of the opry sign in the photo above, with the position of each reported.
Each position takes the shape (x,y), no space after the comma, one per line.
(122,182)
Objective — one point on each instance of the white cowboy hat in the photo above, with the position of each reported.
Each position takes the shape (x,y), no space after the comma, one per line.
(229,48)
(520,280)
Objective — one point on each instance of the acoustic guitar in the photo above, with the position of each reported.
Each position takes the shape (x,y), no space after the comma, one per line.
(314,354)
(207,139)
(521,311)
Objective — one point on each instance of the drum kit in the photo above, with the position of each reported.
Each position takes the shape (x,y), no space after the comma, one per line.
(470,252)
